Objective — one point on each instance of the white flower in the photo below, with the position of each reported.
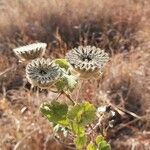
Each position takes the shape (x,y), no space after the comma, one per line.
(88,61)
(43,73)
(31,51)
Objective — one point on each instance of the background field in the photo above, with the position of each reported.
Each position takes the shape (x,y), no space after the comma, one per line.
(121,27)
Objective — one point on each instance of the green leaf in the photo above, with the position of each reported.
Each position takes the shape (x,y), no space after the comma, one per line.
(91,146)
(99,139)
(74,112)
(67,82)
(80,142)
(71,81)
(62,63)
(83,113)
(77,129)
(61,85)
(104,146)
(89,113)
(55,112)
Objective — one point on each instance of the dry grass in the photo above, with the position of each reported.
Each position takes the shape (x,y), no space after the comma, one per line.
(120,27)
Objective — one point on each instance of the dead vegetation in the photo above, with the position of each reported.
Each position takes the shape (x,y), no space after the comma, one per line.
(119,27)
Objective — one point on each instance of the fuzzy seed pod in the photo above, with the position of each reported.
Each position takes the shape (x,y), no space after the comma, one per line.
(43,73)
(31,51)
(87,62)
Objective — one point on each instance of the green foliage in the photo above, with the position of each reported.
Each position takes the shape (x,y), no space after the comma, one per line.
(99,139)
(71,82)
(91,146)
(62,63)
(77,129)
(83,114)
(80,114)
(61,85)
(99,144)
(80,141)
(75,119)
(68,82)
(55,112)
(104,146)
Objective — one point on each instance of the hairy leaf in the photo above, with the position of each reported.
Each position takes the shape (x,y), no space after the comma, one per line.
(104,146)
(83,113)
(77,129)
(55,112)
(89,113)
(80,142)
(74,112)
(62,63)
(91,146)
(71,81)
(61,85)
(68,82)
(99,139)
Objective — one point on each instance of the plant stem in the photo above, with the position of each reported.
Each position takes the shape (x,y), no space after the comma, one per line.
(58,96)
(69,97)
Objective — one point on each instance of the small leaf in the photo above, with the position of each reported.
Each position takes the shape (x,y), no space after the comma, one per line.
(62,63)
(99,139)
(67,82)
(89,113)
(91,146)
(77,129)
(55,112)
(71,81)
(104,146)
(80,142)
(74,111)
(83,113)
(61,85)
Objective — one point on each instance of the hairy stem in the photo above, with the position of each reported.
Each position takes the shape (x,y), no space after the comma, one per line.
(69,97)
